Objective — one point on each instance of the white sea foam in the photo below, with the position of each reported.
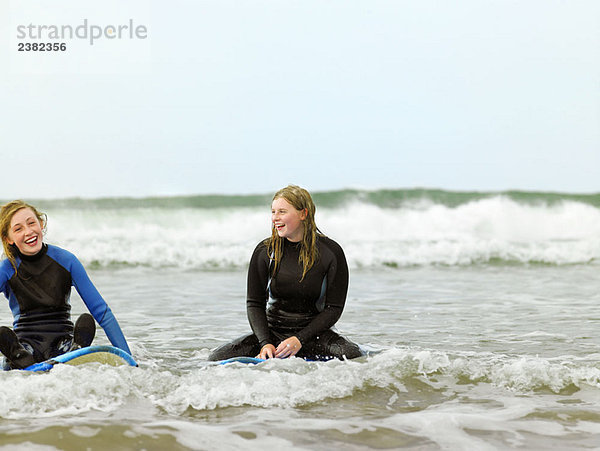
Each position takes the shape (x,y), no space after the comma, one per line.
(275,384)
(65,391)
(495,229)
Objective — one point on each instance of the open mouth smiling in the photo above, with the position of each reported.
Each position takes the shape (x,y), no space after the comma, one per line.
(31,241)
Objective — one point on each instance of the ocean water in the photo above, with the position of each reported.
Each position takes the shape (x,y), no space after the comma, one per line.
(481,312)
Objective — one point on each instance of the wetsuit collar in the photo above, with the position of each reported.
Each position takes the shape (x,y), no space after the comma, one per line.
(32,258)
(295,245)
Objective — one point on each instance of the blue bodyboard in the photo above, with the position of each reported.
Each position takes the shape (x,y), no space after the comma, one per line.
(255,360)
(108,355)
(248,360)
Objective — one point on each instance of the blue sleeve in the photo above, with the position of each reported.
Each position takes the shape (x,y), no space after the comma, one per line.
(98,306)
(6,272)
(94,301)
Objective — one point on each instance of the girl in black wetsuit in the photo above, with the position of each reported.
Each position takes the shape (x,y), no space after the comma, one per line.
(304,277)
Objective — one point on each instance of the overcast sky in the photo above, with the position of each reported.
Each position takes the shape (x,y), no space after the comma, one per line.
(247,96)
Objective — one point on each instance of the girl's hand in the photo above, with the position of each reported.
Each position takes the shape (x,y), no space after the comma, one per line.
(267,352)
(288,348)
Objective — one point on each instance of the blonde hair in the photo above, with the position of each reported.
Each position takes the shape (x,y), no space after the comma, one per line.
(300,199)
(6,214)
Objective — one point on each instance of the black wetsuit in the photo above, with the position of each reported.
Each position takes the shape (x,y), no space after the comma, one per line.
(38,294)
(306,308)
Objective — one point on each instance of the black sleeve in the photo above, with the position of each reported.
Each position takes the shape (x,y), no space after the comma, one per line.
(257,294)
(337,289)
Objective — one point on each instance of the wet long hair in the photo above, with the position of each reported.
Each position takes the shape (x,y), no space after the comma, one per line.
(300,199)
(6,214)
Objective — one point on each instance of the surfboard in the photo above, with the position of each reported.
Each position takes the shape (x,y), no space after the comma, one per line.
(108,355)
(247,360)
(256,360)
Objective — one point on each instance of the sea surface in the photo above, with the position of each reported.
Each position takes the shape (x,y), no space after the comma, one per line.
(480,312)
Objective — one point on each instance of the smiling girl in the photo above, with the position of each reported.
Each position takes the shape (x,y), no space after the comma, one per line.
(304,277)
(36,278)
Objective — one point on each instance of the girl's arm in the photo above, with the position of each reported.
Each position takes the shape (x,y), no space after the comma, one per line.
(97,305)
(336,290)
(256,298)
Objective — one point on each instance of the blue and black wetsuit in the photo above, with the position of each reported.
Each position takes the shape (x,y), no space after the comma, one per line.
(306,308)
(38,294)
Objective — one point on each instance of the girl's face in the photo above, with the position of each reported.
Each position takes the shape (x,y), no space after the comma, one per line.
(287,220)
(25,232)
